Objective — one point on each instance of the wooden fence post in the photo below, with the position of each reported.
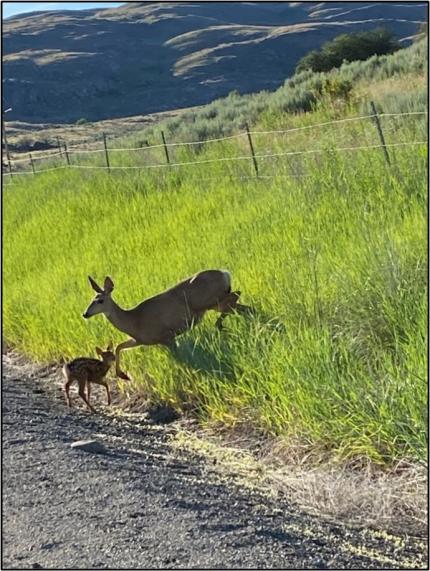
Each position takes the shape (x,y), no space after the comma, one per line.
(66,154)
(106,152)
(251,146)
(6,148)
(32,163)
(165,148)
(381,134)
(60,150)
(10,168)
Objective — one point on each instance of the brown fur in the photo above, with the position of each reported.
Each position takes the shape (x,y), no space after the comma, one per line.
(86,370)
(159,319)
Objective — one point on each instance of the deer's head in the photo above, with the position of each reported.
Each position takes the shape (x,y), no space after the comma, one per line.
(102,303)
(107,355)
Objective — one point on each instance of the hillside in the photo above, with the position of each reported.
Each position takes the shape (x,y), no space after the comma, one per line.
(149,57)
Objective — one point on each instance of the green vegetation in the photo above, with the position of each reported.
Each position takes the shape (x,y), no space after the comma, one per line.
(349,47)
(331,252)
(301,93)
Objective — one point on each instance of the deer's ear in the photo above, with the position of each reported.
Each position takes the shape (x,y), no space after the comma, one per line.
(110,346)
(99,351)
(108,285)
(94,285)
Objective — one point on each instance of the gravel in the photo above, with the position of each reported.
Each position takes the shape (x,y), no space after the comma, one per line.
(142,504)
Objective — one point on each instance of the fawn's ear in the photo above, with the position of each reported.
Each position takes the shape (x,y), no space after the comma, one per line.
(110,346)
(99,351)
(94,285)
(108,285)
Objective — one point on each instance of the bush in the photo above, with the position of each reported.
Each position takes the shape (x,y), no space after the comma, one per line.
(337,88)
(349,47)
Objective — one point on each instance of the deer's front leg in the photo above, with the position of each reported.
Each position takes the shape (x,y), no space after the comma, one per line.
(129,344)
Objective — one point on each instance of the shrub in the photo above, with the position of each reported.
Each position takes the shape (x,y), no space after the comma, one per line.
(349,47)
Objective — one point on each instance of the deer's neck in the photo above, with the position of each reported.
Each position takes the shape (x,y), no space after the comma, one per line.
(105,366)
(118,317)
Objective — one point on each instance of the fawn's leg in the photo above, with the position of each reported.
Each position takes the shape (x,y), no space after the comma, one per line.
(125,345)
(88,390)
(83,396)
(106,386)
(66,391)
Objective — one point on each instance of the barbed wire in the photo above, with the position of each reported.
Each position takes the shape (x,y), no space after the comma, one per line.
(71,150)
(221,159)
(36,158)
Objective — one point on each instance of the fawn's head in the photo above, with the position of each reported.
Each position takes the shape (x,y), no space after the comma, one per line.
(102,303)
(107,356)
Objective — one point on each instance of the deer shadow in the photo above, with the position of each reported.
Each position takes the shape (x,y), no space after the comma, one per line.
(200,356)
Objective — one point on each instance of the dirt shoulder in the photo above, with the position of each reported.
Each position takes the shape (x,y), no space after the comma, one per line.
(147,504)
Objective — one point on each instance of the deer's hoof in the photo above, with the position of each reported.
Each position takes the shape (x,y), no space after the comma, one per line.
(123,376)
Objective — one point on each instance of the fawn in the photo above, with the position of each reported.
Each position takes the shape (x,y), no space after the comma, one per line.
(157,320)
(86,370)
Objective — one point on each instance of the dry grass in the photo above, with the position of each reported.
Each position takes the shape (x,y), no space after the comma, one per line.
(396,84)
(359,494)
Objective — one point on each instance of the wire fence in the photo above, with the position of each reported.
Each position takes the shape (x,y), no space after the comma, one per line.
(74,157)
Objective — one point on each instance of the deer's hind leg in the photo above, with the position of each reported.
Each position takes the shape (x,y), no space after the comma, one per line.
(229,304)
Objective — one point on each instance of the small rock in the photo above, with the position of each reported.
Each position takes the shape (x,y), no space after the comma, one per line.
(162,414)
(319,564)
(136,514)
(91,446)
(36,566)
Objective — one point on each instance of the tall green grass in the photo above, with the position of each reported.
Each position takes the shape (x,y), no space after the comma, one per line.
(330,250)
(334,263)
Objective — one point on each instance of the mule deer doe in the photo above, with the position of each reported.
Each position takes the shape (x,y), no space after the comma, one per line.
(157,320)
(86,370)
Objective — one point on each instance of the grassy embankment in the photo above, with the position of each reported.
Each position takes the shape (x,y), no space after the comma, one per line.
(334,260)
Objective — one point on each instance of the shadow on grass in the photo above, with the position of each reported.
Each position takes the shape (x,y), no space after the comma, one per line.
(199,354)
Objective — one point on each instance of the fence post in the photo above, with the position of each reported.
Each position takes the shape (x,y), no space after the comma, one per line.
(32,163)
(165,148)
(6,147)
(66,154)
(251,146)
(9,166)
(59,147)
(106,152)
(381,134)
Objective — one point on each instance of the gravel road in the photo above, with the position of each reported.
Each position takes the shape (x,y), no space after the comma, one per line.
(143,504)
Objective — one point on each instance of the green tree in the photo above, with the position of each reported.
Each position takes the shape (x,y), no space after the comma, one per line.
(349,47)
